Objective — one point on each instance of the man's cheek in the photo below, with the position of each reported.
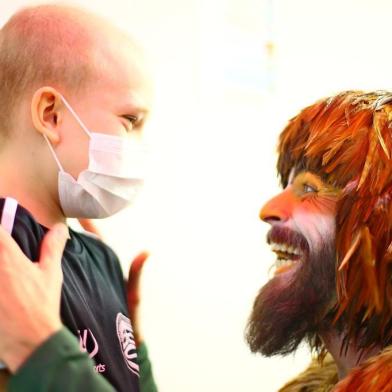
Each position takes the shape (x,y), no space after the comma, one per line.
(317,228)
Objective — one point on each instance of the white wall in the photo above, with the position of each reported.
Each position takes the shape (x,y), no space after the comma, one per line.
(221,101)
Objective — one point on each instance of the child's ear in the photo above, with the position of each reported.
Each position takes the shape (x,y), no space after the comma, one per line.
(45,113)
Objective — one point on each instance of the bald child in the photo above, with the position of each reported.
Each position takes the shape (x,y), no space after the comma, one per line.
(74,98)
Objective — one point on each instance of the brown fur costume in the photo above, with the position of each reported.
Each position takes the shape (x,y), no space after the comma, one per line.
(316,378)
(373,375)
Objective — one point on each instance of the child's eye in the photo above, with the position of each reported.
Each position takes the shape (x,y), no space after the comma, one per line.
(309,189)
(134,123)
(133,120)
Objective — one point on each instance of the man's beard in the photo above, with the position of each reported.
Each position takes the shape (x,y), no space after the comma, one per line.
(293,306)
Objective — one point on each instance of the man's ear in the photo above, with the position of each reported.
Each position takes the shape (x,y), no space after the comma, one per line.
(45,112)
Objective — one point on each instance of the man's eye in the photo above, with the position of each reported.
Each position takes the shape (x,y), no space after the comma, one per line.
(309,189)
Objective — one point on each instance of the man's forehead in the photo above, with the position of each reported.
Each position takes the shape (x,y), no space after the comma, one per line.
(295,171)
(314,178)
(292,175)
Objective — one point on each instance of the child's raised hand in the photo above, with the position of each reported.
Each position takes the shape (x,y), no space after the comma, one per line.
(133,293)
(30,300)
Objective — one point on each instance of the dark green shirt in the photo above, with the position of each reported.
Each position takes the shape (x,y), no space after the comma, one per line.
(58,365)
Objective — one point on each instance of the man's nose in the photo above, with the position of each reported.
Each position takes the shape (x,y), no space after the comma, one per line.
(279,208)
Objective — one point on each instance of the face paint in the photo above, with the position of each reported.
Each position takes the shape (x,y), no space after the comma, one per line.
(305,207)
(292,305)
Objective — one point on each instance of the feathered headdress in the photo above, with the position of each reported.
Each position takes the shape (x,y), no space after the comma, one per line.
(347,140)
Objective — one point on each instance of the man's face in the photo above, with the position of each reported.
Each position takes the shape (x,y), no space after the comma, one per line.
(293,304)
(116,103)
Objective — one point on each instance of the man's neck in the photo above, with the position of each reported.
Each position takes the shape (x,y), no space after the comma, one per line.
(346,359)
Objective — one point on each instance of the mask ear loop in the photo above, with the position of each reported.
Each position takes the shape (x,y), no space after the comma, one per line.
(79,121)
(68,106)
(54,154)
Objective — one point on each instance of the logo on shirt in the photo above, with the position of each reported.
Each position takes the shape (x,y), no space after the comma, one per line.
(88,344)
(127,342)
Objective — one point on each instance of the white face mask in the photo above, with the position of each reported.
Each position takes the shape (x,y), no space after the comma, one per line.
(111,181)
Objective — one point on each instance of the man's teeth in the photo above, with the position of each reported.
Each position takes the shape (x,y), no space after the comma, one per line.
(280,262)
(285,263)
(285,248)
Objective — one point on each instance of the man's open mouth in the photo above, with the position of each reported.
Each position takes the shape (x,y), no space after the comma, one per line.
(290,248)
(287,256)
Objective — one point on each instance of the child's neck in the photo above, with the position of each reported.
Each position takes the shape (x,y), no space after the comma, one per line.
(20,181)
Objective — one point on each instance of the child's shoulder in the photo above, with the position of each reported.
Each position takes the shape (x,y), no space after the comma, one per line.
(22,226)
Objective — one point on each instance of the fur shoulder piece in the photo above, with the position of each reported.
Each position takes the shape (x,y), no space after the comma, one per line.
(373,375)
(316,378)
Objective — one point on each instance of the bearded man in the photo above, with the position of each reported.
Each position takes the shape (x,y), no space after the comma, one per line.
(331,229)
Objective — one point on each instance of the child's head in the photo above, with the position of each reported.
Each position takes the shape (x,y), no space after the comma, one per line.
(47,52)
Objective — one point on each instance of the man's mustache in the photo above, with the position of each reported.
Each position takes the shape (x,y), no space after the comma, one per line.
(280,234)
